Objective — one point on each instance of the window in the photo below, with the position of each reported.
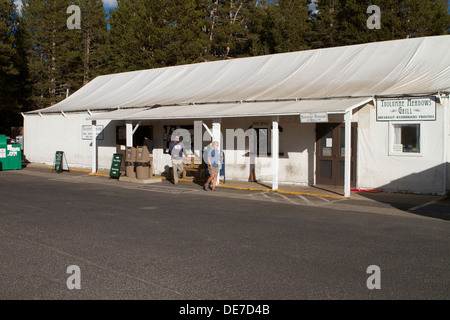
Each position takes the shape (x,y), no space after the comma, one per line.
(262,138)
(405,139)
(260,145)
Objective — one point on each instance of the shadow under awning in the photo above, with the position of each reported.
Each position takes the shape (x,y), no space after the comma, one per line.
(234,110)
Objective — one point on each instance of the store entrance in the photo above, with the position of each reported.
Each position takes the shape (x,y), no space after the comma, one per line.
(138,139)
(330,154)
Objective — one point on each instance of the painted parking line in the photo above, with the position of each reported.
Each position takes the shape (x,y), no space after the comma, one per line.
(265,195)
(286,198)
(66,180)
(170,190)
(421,206)
(295,199)
(304,199)
(324,199)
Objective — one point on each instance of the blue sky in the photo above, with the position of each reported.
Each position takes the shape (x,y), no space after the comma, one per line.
(108,4)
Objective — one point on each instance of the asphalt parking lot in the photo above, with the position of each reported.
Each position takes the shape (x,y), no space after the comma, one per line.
(166,242)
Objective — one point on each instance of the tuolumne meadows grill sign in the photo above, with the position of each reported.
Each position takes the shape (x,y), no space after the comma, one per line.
(409,109)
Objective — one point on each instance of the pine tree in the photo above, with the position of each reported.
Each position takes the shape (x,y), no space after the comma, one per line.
(290,28)
(325,24)
(156,33)
(54,54)
(260,36)
(94,39)
(9,69)
(60,59)
(419,18)
(186,40)
(352,23)
(343,22)
(228,30)
(8,25)
(135,35)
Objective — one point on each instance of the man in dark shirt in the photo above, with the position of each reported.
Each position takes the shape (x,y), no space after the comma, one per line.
(176,150)
(149,144)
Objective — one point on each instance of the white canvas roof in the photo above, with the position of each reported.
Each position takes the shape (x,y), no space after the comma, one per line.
(410,66)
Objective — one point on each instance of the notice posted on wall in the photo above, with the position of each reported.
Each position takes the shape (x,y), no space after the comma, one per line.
(397,147)
(86,132)
(313,117)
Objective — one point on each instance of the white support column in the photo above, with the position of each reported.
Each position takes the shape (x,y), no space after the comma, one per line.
(216,131)
(216,136)
(275,152)
(198,138)
(94,146)
(348,152)
(129,129)
(445,102)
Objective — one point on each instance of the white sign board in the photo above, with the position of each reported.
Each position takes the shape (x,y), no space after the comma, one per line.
(313,117)
(13,149)
(2,153)
(410,109)
(86,132)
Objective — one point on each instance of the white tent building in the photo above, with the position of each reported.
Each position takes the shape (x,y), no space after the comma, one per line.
(370,116)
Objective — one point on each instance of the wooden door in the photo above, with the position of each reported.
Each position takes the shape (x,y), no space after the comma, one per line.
(330,154)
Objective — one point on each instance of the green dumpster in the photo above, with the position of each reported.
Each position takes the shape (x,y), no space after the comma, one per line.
(10,155)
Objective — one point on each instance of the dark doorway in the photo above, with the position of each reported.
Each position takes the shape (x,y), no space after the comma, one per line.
(141,132)
(138,139)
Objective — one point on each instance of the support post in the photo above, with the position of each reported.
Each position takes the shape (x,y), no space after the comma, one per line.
(275,152)
(217,136)
(94,146)
(348,152)
(445,102)
(198,138)
(129,129)
(216,132)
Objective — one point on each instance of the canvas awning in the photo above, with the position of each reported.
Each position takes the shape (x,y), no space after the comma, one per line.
(226,110)
(398,67)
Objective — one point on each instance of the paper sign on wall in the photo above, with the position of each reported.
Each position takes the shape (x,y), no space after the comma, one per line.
(86,132)
(313,117)
(397,148)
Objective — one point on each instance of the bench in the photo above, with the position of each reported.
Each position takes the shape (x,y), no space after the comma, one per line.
(194,165)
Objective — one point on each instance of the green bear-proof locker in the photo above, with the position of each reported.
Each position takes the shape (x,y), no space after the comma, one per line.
(10,155)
